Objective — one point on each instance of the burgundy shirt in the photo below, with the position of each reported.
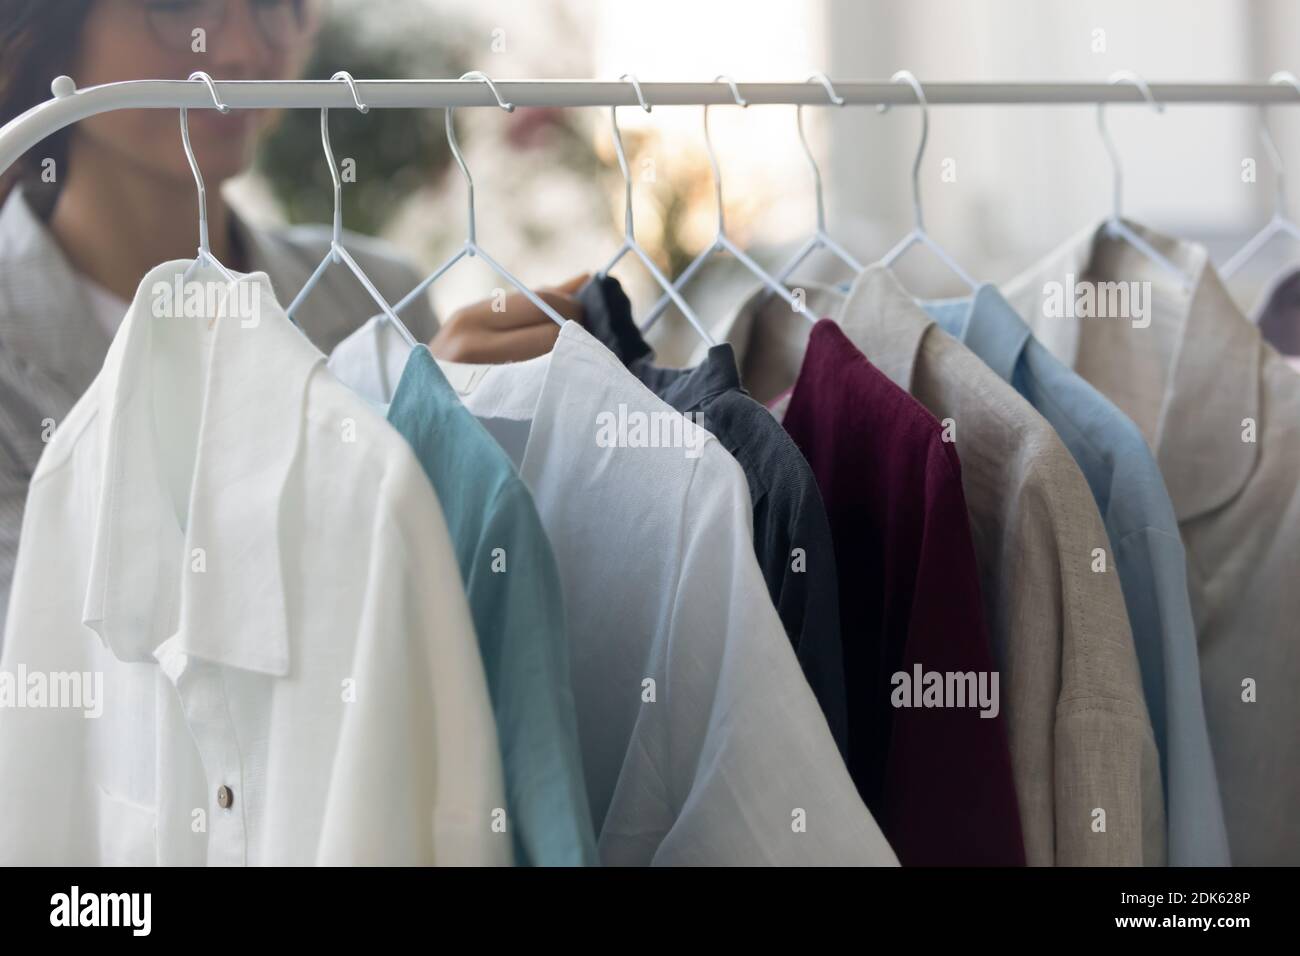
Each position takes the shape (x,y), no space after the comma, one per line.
(938,779)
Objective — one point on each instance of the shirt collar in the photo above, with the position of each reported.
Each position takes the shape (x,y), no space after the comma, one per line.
(423,393)
(882,319)
(607,315)
(372,360)
(230,605)
(769,340)
(1212,382)
(513,390)
(560,394)
(987,324)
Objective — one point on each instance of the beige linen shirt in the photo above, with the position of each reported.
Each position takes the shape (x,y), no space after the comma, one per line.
(1221,410)
(1081,739)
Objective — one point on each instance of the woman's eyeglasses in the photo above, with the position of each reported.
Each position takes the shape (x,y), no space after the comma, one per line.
(172,22)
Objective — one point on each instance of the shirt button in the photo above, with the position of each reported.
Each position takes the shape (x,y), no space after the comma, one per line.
(225,797)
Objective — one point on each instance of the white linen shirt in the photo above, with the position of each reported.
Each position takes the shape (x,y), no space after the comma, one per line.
(257,567)
(701,740)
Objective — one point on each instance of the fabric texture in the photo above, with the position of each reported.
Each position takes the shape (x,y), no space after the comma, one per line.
(1220,409)
(792,537)
(107,309)
(701,741)
(52,347)
(1082,750)
(514,591)
(1277,315)
(1148,552)
(257,568)
(937,773)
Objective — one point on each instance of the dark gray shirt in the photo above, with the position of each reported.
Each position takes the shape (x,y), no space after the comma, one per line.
(792,535)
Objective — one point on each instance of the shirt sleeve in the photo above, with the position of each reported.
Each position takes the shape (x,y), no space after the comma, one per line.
(949,794)
(743,769)
(808,602)
(518,604)
(417,778)
(1087,758)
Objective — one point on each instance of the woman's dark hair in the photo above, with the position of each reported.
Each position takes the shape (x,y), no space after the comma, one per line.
(38,41)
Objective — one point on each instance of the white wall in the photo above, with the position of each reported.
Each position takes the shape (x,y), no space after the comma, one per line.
(1028,177)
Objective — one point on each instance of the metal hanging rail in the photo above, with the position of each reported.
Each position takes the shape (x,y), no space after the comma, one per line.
(69,104)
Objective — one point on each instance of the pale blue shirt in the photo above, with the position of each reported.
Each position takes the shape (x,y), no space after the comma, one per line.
(517,603)
(1148,554)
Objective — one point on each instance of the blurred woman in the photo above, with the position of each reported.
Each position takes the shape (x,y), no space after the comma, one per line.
(122,199)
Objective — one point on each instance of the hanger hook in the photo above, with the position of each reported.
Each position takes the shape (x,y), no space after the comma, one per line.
(204,249)
(1121,76)
(471,233)
(346,77)
(636,86)
(622,156)
(708,143)
(483,77)
(836,100)
(906,76)
(212,88)
(1275,155)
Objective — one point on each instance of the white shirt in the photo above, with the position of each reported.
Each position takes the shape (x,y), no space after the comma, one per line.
(701,741)
(257,566)
(371,360)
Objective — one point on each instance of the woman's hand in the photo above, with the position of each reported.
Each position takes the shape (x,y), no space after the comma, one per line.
(478,335)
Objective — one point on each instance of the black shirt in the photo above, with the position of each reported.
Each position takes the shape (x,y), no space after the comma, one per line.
(792,535)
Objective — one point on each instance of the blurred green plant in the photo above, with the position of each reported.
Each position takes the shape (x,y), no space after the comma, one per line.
(396,151)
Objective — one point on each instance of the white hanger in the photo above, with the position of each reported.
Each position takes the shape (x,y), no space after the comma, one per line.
(629,236)
(1115,225)
(918,235)
(205,256)
(820,239)
(336,251)
(722,242)
(471,247)
(1281,222)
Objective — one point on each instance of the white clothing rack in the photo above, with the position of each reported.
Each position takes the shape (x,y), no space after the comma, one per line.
(69,104)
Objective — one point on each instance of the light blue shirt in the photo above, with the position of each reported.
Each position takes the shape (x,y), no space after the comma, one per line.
(1148,554)
(517,604)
